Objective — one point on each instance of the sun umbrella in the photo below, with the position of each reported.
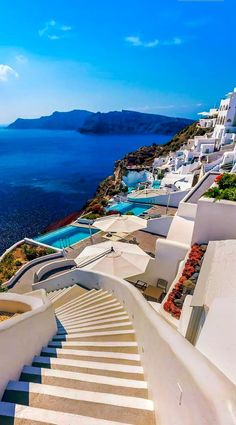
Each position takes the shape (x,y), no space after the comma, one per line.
(124,224)
(116,258)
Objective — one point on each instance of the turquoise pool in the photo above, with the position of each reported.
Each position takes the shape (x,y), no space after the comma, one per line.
(66,236)
(125,207)
(156,184)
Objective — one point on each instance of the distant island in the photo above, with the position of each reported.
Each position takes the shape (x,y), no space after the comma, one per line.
(123,122)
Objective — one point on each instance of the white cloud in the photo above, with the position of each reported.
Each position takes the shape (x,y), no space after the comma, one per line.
(54,31)
(7,72)
(54,37)
(138,42)
(66,28)
(176,41)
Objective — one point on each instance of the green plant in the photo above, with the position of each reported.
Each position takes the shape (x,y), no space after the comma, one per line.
(49,251)
(104,202)
(225,189)
(18,263)
(91,216)
(227,181)
(114,192)
(213,192)
(2,289)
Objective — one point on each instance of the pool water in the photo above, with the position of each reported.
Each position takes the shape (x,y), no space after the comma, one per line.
(66,236)
(156,184)
(125,207)
(131,188)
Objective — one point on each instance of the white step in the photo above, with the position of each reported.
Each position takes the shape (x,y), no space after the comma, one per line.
(102,306)
(64,291)
(104,318)
(86,377)
(100,354)
(78,299)
(80,307)
(76,324)
(119,309)
(81,395)
(92,334)
(92,328)
(27,413)
(54,294)
(85,302)
(79,302)
(114,367)
(93,344)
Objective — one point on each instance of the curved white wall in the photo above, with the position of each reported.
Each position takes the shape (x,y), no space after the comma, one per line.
(54,265)
(172,200)
(159,226)
(22,337)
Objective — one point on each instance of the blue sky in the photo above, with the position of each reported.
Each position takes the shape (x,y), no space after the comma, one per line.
(173,57)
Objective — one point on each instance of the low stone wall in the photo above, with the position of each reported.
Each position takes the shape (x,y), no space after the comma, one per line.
(22,337)
(159,226)
(54,265)
(18,243)
(172,200)
(221,224)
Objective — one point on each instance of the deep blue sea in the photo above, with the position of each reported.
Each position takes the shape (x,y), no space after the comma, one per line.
(46,175)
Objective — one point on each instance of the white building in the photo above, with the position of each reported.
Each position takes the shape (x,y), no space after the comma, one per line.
(226,120)
(209,119)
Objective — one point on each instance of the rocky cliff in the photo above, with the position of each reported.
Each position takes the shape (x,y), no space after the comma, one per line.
(124,122)
(130,122)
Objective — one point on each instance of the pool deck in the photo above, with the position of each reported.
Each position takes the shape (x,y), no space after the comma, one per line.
(158,209)
(146,241)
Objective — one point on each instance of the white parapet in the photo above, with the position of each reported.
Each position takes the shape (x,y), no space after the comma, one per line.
(22,336)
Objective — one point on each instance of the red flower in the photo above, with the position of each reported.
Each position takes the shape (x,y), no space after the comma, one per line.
(218,178)
(195,255)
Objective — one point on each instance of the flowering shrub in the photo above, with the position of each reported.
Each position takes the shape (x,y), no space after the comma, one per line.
(113,212)
(187,281)
(218,178)
(225,187)
(97,209)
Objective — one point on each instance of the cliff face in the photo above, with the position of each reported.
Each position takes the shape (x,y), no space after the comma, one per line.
(125,122)
(129,122)
(143,156)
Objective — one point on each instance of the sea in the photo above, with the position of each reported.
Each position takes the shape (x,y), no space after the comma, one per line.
(47,175)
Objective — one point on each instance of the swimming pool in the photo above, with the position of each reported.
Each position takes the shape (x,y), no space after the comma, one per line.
(125,207)
(156,184)
(66,236)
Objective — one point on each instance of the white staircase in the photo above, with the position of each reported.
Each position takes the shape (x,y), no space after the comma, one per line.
(89,374)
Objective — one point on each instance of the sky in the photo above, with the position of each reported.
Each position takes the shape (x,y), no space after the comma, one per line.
(170,57)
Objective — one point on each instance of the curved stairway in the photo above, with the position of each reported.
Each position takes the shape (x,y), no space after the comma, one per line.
(89,374)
